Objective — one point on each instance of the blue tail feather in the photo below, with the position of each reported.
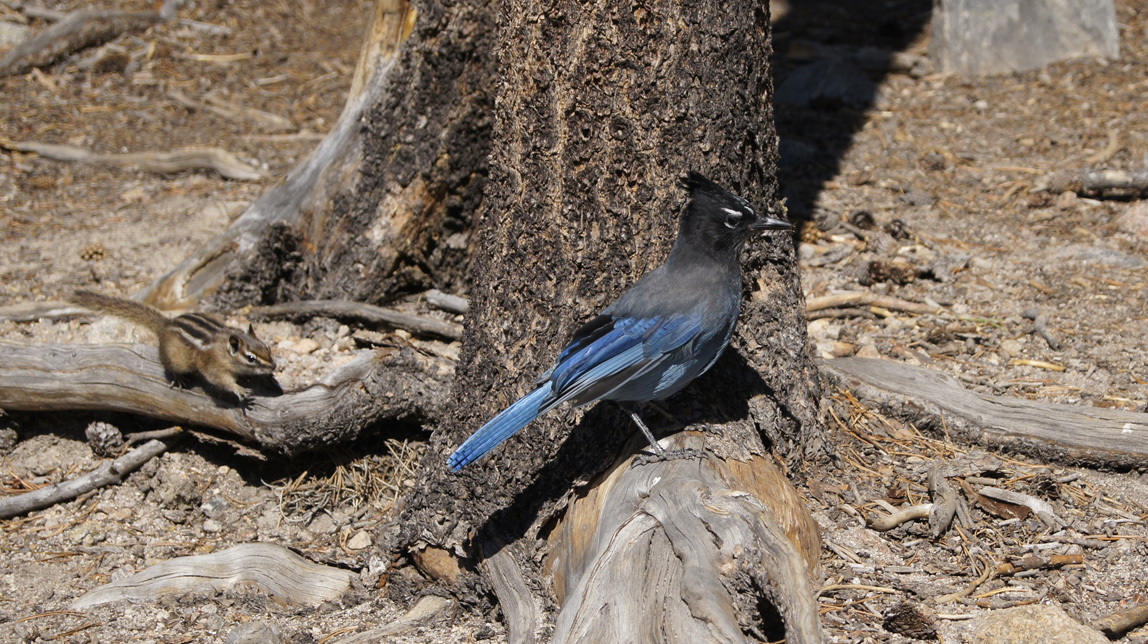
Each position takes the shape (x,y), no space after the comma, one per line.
(502,427)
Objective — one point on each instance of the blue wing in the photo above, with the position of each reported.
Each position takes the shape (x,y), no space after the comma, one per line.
(605,355)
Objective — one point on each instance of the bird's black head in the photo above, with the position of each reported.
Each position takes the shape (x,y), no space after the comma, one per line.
(718,219)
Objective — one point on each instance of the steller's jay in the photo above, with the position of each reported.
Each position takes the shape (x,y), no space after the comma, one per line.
(668,329)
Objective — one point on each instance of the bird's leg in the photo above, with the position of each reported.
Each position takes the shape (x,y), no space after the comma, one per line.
(642,426)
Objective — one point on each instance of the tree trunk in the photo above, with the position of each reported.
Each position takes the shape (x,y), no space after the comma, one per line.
(584,127)
(600,112)
(384,205)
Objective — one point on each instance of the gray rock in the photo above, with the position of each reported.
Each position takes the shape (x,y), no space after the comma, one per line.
(254,633)
(1035,624)
(1002,36)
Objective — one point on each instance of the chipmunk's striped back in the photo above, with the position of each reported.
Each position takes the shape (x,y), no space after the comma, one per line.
(193,344)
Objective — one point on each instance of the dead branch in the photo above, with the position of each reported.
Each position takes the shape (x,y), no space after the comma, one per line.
(1097,183)
(935,402)
(311,184)
(109,473)
(862,298)
(1038,562)
(446,302)
(230,111)
(1122,621)
(76,31)
(193,158)
(945,501)
(887,522)
(1041,508)
(284,575)
(345,309)
(402,386)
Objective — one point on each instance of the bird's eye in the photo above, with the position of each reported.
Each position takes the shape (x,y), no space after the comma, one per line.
(733,217)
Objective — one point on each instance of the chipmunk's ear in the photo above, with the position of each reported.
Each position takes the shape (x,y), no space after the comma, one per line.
(250,330)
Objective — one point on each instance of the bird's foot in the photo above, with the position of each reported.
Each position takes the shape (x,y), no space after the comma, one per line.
(647,458)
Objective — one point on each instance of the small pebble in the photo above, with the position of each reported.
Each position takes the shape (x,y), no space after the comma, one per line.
(305,346)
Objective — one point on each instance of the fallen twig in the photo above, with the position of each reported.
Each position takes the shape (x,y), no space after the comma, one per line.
(1041,508)
(1123,620)
(265,120)
(988,572)
(1099,183)
(864,298)
(76,31)
(945,501)
(193,158)
(32,311)
(447,302)
(890,521)
(282,574)
(107,474)
(1038,562)
(359,311)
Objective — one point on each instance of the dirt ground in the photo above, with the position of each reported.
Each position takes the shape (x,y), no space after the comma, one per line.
(933,199)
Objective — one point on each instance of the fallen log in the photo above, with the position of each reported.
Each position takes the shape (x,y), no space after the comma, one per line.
(1052,432)
(400,386)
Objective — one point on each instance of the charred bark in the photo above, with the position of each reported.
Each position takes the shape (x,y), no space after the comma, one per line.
(601,111)
(385,202)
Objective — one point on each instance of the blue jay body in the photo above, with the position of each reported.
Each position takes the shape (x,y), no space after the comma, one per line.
(663,332)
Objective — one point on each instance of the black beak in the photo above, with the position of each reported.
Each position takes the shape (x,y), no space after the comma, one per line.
(769,223)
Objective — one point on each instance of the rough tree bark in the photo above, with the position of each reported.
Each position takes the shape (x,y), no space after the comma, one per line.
(384,204)
(601,109)
(584,124)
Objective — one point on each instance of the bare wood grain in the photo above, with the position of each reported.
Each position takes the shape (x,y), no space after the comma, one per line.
(274,569)
(345,309)
(674,548)
(309,187)
(402,386)
(1065,433)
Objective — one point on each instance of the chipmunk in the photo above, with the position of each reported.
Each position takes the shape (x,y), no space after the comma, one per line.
(192,343)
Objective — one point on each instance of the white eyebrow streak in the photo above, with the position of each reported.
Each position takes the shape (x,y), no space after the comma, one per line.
(736,213)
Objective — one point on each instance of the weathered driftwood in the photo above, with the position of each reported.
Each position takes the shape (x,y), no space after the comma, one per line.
(401,386)
(108,473)
(75,31)
(280,573)
(1091,436)
(193,158)
(345,309)
(698,529)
